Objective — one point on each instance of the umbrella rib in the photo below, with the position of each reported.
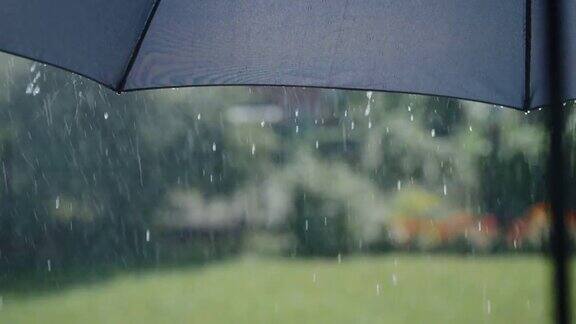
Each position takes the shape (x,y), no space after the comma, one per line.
(528,56)
(136,50)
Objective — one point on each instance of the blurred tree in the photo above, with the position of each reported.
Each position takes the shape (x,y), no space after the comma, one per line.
(85,172)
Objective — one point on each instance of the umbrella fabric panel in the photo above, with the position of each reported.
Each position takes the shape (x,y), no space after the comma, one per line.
(539,95)
(94,38)
(472,49)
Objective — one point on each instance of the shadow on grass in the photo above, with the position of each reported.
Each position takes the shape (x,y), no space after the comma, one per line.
(170,253)
(40,282)
(35,283)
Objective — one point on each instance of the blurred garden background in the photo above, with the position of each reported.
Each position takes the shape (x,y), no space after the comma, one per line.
(268,205)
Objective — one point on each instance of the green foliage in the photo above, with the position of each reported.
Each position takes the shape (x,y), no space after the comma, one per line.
(320,225)
(86,173)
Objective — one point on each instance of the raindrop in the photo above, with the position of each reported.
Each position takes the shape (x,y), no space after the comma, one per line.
(369,95)
(317,144)
(106,115)
(297,129)
(49,265)
(262,124)
(253,149)
(58,202)
(352,126)
(369,124)
(339,258)
(29,88)
(488,307)
(147,235)
(411,118)
(214,147)
(306,225)
(445,190)
(33,67)
(399,185)
(394,279)
(433,132)
(199,116)
(470,128)
(296,113)
(377,289)
(314,277)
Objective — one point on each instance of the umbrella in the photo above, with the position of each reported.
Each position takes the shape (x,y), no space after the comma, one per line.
(512,53)
(484,50)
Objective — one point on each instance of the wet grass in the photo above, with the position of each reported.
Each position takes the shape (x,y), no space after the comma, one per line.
(387,289)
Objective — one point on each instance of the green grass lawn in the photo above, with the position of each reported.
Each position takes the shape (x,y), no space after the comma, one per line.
(386,289)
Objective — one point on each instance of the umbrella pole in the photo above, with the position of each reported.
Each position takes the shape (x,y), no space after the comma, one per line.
(556,167)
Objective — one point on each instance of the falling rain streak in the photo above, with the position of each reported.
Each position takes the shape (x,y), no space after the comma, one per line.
(270,192)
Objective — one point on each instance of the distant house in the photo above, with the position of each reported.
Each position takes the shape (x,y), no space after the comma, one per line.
(189,217)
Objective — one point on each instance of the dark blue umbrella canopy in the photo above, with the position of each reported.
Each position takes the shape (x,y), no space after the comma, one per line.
(483,50)
(493,51)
